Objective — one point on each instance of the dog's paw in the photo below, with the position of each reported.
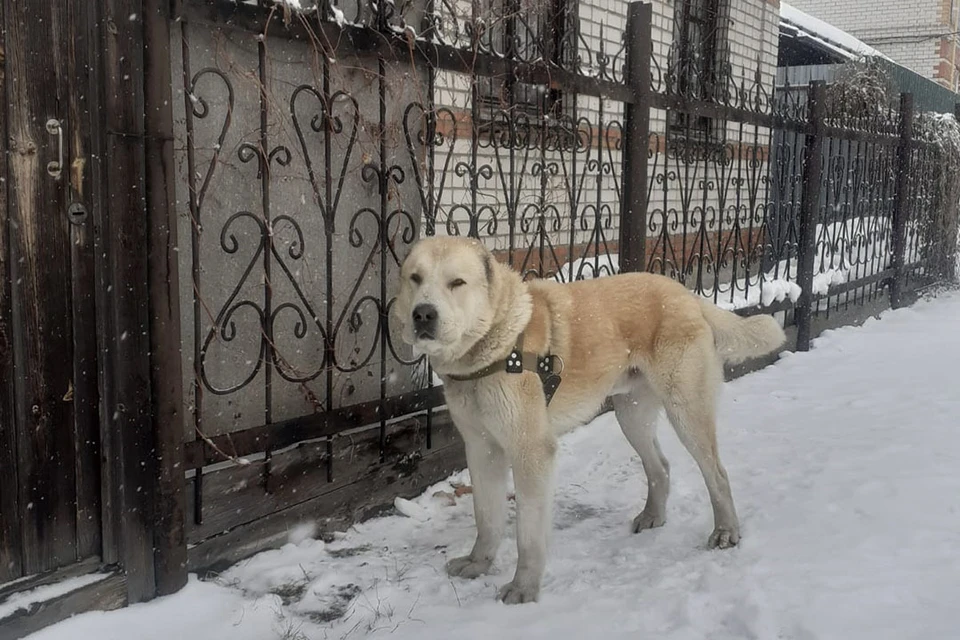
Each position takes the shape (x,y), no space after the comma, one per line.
(723,538)
(467,567)
(517,593)
(647,521)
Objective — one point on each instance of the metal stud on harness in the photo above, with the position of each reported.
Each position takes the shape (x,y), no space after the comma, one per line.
(519,361)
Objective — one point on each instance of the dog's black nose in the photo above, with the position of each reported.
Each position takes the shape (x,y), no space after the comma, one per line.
(425,321)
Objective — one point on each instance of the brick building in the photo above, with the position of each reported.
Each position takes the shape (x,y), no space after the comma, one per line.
(922,35)
(739,36)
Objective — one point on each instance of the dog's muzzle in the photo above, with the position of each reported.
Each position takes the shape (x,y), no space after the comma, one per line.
(425,321)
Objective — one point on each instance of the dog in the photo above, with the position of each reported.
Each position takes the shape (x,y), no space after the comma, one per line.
(642,339)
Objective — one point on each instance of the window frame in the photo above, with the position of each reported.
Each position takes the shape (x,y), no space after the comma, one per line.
(506,94)
(699,65)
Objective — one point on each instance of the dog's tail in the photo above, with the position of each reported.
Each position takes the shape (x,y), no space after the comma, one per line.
(740,339)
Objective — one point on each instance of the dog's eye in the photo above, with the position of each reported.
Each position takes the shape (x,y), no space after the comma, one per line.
(415,277)
(459,282)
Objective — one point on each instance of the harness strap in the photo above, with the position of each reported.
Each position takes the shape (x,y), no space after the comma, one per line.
(519,361)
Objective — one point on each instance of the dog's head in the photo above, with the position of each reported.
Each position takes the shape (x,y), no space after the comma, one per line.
(445,304)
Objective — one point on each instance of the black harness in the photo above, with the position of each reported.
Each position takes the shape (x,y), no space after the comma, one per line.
(519,361)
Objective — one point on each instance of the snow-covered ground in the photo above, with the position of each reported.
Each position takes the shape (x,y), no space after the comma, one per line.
(845,466)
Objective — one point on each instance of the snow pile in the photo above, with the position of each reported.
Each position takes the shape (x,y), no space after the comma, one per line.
(410,509)
(753,293)
(778,291)
(823,281)
(844,479)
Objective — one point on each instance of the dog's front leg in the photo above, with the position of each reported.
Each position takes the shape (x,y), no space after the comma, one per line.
(488,474)
(533,478)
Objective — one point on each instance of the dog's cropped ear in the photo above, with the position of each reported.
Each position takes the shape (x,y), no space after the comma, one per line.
(488,267)
(487,258)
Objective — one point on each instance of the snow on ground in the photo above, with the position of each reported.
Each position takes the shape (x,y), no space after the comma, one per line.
(25,599)
(845,467)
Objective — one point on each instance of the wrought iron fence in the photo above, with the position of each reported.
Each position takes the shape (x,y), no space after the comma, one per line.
(315,147)
(741,213)
(308,164)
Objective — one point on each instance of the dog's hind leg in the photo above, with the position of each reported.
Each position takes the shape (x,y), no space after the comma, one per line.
(637,412)
(690,400)
(488,474)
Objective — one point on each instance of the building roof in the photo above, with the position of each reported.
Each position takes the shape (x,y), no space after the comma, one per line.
(811,49)
(823,35)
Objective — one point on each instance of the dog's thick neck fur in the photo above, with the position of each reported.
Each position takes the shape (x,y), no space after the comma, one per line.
(512,309)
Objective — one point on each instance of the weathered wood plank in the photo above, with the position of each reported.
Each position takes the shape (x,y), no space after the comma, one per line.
(10,565)
(123,274)
(41,293)
(81,97)
(333,511)
(289,432)
(236,495)
(104,595)
(170,557)
(83,567)
(109,506)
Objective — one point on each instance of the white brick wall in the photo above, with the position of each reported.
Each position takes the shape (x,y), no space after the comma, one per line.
(751,40)
(908,32)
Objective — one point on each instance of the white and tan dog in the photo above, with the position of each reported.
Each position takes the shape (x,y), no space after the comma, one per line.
(641,338)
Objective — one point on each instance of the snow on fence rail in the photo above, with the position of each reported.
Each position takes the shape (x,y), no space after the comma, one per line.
(844,257)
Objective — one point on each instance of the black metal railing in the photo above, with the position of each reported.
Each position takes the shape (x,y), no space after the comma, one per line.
(316,158)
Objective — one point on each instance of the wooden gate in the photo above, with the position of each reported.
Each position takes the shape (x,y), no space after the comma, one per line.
(81,458)
(49,454)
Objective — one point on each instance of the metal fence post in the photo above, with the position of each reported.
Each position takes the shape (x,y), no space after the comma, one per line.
(809,209)
(633,207)
(898,241)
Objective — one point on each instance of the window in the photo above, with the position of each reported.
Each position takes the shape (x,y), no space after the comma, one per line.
(528,31)
(698,62)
